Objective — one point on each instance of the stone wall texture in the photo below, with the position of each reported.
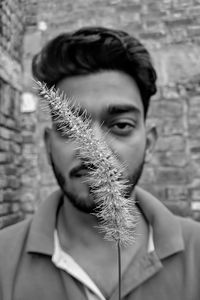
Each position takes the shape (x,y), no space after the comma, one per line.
(170,29)
(11,37)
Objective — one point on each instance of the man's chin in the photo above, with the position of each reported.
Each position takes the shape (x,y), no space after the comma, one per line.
(82,201)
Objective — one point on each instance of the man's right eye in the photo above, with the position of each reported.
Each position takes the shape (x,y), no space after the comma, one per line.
(122,128)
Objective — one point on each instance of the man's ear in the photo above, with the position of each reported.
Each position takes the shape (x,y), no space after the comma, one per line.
(151,138)
(47,141)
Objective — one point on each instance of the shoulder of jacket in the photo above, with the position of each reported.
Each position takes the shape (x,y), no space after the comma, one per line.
(13,236)
(190,231)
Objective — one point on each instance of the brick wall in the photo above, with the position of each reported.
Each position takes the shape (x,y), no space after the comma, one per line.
(171,31)
(11,32)
(29,131)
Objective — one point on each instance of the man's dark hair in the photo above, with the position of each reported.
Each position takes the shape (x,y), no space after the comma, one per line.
(93,49)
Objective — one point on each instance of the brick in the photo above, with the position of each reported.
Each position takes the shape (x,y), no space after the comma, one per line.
(167,108)
(9,196)
(17,137)
(177,193)
(192,87)
(152,34)
(5,208)
(4,158)
(196,216)
(194,31)
(28,122)
(28,149)
(185,2)
(130,18)
(16,207)
(13,182)
(170,143)
(13,69)
(194,10)
(5,133)
(26,180)
(171,176)
(27,195)
(28,139)
(178,20)
(193,172)
(2,170)
(195,149)
(15,148)
(194,127)
(1,196)
(171,93)
(6,105)
(11,170)
(177,63)
(2,117)
(3,182)
(194,110)
(32,42)
(172,126)
(4,145)
(195,194)
(173,159)
(10,123)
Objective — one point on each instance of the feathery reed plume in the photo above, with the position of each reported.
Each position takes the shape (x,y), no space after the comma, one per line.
(115,211)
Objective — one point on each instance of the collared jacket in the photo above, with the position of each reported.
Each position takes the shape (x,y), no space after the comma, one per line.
(171,272)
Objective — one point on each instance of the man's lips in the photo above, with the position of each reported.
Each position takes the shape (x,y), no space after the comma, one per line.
(80,173)
(81,170)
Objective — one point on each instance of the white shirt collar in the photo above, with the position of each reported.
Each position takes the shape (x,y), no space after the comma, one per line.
(65,262)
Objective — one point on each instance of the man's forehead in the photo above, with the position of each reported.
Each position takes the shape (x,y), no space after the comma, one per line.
(104,81)
(112,92)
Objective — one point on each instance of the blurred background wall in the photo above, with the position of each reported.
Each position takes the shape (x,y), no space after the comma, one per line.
(170,29)
(12,28)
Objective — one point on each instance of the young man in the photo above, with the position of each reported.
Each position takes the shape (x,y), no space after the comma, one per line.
(59,253)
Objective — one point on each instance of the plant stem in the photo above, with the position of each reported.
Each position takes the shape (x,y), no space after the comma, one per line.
(119,268)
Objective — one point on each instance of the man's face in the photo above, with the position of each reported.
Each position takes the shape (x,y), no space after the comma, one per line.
(114,103)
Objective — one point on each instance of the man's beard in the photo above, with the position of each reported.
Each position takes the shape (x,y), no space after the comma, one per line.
(90,205)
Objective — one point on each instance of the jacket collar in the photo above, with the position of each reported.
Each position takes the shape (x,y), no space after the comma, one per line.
(166,227)
(41,235)
(167,233)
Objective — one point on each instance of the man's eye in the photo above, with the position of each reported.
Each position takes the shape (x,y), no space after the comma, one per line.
(122,128)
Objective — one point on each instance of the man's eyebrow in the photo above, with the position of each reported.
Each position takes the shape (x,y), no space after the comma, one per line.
(122,108)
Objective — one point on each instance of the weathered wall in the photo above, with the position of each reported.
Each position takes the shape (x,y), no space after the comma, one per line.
(171,31)
(11,35)
(29,130)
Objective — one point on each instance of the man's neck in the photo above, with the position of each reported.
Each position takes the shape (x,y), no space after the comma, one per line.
(77,227)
